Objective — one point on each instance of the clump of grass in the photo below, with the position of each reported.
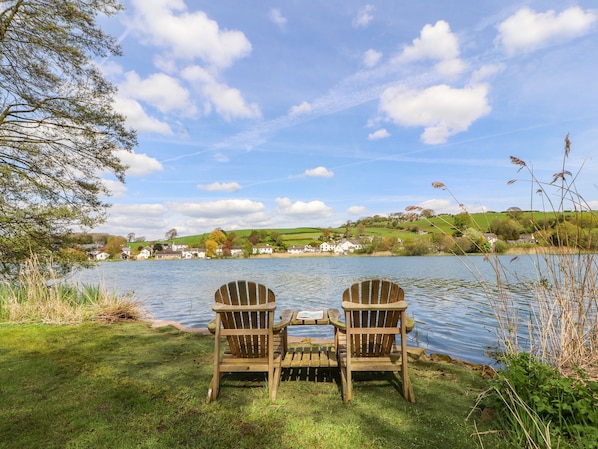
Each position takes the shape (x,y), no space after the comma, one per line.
(41,296)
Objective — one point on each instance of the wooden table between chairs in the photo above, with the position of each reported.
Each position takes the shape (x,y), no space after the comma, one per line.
(306,354)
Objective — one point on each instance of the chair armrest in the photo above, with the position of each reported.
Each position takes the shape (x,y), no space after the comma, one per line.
(409,322)
(219,308)
(334,316)
(285,320)
(357,307)
(212,327)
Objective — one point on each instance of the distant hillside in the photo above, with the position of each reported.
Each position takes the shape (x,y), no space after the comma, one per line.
(508,225)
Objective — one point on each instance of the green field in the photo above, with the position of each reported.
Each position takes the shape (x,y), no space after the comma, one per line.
(370,227)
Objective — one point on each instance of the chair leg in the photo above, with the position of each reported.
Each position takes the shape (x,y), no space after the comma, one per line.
(408,392)
(345,385)
(271,381)
(349,385)
(411,394)
(276,382)
(213,390)
(215,384)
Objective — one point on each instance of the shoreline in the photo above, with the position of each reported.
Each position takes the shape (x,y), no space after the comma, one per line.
(535,251)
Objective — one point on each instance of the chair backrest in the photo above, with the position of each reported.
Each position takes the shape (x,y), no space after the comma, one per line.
(245,293)
(374,291)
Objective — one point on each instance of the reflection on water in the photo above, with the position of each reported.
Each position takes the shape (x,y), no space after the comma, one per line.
(450,309)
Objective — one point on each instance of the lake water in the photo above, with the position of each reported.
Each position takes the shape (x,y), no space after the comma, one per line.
(451,312)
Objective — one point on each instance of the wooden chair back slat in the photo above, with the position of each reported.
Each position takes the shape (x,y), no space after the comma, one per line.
(373,291)
(243,293)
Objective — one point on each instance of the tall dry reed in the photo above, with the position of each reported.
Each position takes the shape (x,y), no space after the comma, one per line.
(562,320)
(39,295)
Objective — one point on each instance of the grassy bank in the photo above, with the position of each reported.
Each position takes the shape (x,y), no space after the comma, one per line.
(127,385)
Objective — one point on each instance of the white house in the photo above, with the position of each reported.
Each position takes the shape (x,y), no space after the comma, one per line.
(102,255)
(200,253)
(295,249)
(265,249)
(347,246)
(327,247)
(168,254)
(145,253)
(236,251)
(190,253)
(491,237)
(125,253)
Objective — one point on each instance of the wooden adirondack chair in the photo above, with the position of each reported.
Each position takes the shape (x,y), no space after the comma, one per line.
(245,316)
(374,313)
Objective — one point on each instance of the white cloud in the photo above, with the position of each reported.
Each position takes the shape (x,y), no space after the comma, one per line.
(437,43)
(486,72)
(220,187)
(218,209)
(110,68)
(187,35)
(159,90)
(143,211)
(140,164)
(200,225)
(116,188)
(228,101)
(303,108)
(379,134)
(442,206)
(371,57)
(450,67)
(443,111)
(302,210)
(364,16)
(322,172)
(528,30)
(276,17)
(138,218)
(358,210)
(137,117)
(222,158)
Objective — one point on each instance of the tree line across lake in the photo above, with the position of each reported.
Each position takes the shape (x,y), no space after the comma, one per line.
(419,233)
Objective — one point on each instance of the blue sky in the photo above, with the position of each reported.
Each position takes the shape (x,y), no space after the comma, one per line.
(270,114)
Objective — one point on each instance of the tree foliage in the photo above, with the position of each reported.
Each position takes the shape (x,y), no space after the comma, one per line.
(114,246)
(462,222)
(58,130)
(171,234)
(508,229)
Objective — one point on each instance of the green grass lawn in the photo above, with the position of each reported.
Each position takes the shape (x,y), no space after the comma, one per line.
(127,385)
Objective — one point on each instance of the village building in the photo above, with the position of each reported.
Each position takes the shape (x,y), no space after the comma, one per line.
(102,255)
(168,254)
(145,253)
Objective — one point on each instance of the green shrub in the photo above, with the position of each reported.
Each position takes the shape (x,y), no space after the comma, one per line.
(539,407)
